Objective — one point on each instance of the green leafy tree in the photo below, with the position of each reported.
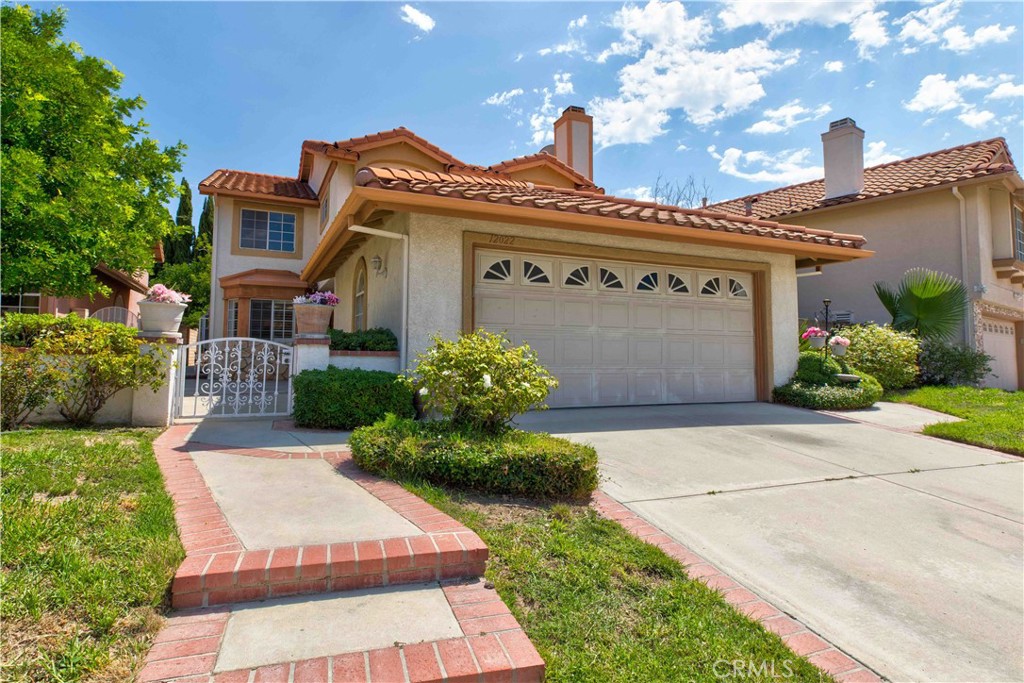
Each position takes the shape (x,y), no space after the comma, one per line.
(206,222)
(178,246)
(193,278)
(81,183)
(929,303)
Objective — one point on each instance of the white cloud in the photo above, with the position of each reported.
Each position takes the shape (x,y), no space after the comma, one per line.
(975,118)
(786,167)
(578,23)
(867,26)
(1005,91)
(786,117)
(936,93)
(869,84)
(572,44)
(834,66)
(563,84)
(875,154)
(420,20)
(935,23)
(644,193)
(502,98)
(673,70)
(519,57)
(681,147)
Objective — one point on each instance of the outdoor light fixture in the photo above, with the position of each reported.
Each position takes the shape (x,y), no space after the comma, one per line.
(377,263)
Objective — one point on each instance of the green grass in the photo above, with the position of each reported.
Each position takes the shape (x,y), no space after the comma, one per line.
(992,418)
(601,605)
(89,549)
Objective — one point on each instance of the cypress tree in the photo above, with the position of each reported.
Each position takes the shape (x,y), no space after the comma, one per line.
(206,223)
(178,248)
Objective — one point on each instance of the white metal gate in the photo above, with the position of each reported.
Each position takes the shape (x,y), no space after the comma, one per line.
(233,377)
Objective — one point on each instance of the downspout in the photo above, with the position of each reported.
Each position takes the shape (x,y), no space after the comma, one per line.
(969,318)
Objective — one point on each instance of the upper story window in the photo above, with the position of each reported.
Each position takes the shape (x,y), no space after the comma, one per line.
(1018,233)
(270,230)
(325,208)
(23,302)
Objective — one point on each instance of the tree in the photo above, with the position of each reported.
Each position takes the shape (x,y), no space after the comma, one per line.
(178,247)
(193,278)
(927,302)
(81,182)
(206,222)
(686,193)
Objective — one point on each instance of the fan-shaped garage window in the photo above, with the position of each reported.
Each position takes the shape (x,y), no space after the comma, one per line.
(648,282)
(499,271)
(609,279)
(737,290)
(534,274)
(578,277)
(677,285)
(711,287)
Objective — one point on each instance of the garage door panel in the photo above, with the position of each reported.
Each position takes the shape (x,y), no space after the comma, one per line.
(652,336)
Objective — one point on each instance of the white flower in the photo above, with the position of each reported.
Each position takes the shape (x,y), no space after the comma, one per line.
(487,381)
(423,391)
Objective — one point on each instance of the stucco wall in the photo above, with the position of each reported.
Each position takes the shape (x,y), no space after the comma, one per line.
(383,293)
(226,263)
(435,272)
(989,221)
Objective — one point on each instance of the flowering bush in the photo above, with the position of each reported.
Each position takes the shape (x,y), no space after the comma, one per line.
(813,332)
(480,381)
(317,298)
(161,294)
(839,341)
(890,356)
(25,385)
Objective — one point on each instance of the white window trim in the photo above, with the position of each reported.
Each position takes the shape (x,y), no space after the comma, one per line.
(20,308)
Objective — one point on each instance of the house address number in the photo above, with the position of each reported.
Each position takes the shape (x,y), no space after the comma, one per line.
(501,239)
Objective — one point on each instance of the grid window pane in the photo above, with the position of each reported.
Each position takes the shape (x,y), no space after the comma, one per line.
(1018,232)
(271,320)
(271,230)
(26,302)
(232,330)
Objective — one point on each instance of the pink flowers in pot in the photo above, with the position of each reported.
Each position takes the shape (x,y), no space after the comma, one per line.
(814,333)
(317,299)
(162,294)
(839,341)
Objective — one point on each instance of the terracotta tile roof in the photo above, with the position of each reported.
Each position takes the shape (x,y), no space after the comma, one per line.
(582,182)
(349,149)
(947,166)
(243,182)
(498,189)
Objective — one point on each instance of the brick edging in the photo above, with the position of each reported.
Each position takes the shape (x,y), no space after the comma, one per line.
(794,633)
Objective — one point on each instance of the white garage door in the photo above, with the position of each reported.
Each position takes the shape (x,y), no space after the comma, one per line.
(623,333)
(1000,342)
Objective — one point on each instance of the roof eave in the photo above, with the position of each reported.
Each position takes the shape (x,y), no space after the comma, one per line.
(257,196)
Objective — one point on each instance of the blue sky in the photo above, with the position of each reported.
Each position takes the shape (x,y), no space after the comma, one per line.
(737,93)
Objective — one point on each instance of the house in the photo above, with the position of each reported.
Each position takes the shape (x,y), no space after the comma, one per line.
(627,302)
(959,211)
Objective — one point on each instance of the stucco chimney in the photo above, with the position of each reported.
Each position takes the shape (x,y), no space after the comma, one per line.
(574,140)
(843,146)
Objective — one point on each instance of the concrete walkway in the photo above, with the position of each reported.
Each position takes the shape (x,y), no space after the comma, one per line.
(301,567)
(903,550)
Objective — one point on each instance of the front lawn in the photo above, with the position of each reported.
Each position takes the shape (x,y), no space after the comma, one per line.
(601,605)
(991,417)
(89,549)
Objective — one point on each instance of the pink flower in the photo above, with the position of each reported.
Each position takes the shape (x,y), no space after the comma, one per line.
(161,294)
(814,332)
(839,341)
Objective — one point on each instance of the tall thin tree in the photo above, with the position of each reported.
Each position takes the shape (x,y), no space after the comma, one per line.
(205,235)
(179,245)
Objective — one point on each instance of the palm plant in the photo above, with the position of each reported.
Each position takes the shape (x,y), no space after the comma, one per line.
(927,302)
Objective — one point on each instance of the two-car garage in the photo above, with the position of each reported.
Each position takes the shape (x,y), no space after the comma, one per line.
(618,332)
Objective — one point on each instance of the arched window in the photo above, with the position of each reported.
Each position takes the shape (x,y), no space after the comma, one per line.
(359,297)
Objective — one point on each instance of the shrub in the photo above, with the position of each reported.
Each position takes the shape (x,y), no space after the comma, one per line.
(513,462)
(24,329)
(864,394)
(952,365)
(886,354)
(481,382)
(376,339)
(25,381)
(346,399)
(91,365)
(813,368)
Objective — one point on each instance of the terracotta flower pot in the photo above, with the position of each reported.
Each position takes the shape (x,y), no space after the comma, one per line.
(816,342)
(158,318)
(312,319)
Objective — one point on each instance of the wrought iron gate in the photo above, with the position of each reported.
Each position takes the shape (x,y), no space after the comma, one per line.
(233,377)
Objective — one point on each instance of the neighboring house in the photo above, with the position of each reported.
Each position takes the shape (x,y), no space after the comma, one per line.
(627,302)
(958,210)
(122,305)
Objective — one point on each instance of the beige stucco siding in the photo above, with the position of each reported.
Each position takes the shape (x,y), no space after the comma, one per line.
(436,277)
(383,293)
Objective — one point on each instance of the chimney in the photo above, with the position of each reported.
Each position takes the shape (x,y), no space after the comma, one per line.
(843,147)
(574,140)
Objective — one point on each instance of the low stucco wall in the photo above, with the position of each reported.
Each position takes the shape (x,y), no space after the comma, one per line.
(388,362)
(435,274)
(118,410)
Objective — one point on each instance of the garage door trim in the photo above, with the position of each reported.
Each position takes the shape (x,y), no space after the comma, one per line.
(760,274)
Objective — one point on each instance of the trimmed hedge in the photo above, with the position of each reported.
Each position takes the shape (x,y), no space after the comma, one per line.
(345,399)
(375,339)
(888,355)
(864,394)
(813,368)
(952,365)
(24,329)
(513,462)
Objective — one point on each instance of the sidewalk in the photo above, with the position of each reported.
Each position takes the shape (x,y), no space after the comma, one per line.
(301,567)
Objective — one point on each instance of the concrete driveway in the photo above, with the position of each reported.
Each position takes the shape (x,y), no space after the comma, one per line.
(904,551)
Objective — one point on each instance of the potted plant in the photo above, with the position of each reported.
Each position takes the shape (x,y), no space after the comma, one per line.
(313,313)
(839,345)
(162,309)
(815,336)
